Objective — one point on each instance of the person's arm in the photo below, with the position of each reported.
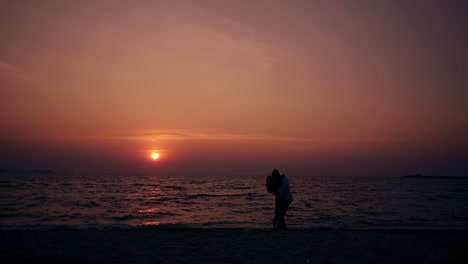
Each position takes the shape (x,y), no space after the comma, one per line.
(284,186)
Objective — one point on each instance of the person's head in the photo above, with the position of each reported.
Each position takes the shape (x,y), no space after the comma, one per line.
(275,173)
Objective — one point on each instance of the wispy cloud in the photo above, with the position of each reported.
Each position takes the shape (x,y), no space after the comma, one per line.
(174,135)
(218,135)
(4,66)
(217,39)
(10,71)
(207,134)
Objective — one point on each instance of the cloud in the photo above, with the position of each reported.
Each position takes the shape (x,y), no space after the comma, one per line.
(9,77)
(10,72)
(206,134)
(208,36)
(7,66)
(218,135)
(175,135)
(165,135)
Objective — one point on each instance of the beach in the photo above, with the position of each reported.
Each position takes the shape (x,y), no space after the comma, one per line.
(215,219)
(234,245)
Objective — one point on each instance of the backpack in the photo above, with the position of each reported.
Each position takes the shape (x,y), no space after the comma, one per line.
(270,184)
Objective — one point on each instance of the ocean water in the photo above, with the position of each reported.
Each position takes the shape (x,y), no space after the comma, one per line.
(49,201)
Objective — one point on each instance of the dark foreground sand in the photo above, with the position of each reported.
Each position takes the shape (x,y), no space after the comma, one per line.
(233,246)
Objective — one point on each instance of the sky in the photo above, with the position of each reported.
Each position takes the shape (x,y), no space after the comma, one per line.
(349,88)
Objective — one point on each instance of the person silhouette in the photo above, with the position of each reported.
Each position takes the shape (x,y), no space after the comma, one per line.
(283,198)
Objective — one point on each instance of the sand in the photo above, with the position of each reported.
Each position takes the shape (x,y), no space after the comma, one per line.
(234,246)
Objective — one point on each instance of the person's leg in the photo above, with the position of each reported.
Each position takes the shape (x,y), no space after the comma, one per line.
(282,221)
(277,213)
(280,206)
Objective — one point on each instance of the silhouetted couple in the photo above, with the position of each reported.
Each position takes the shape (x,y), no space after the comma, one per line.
(283,197)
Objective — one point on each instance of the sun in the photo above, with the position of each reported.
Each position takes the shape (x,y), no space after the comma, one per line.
(155,156)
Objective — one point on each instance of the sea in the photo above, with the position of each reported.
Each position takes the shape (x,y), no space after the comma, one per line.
(30,201)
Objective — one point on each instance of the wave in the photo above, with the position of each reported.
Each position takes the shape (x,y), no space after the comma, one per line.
(239,188)
(8,215)
(460,217)
(78,204)
(220,226)
(142,215)
(175,187)
(90,227)
(194,196)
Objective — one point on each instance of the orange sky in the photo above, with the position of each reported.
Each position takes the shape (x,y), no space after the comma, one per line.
(235,87)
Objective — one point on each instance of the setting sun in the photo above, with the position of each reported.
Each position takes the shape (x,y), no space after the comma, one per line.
(155,156)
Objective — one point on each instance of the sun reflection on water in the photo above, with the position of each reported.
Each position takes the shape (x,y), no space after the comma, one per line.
(151,223)
(150,210)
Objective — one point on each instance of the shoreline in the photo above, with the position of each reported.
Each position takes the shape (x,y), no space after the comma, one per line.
(236,245)
(183,227)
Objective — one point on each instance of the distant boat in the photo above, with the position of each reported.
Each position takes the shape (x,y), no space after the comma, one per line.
(26,171)
(419,176)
